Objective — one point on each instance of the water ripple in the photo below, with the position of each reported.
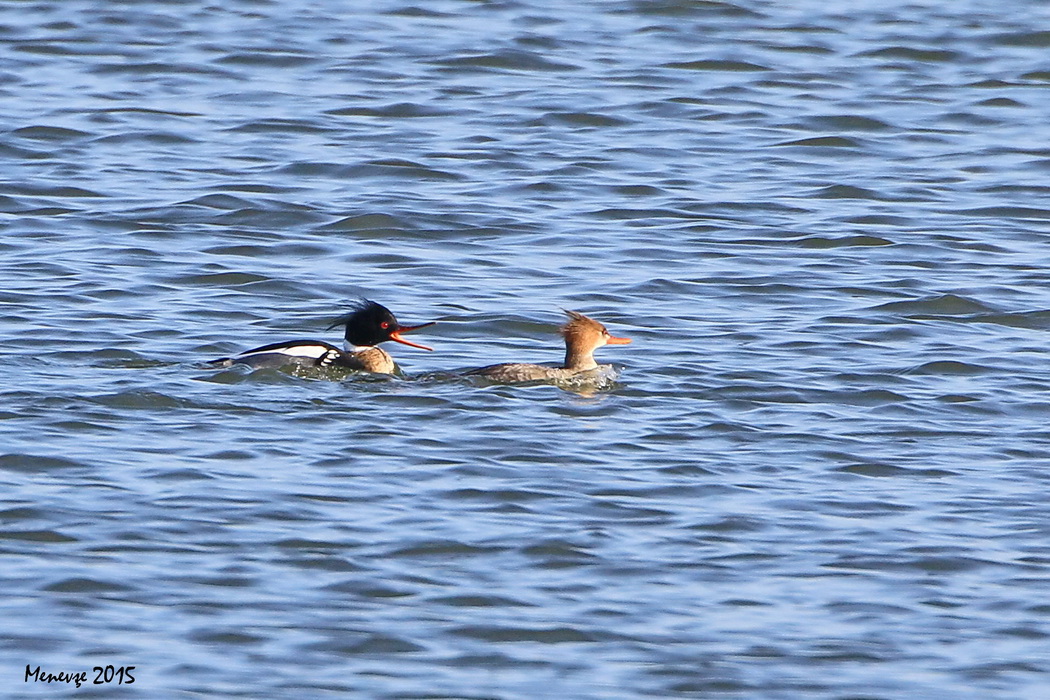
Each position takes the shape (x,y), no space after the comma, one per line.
(823,452)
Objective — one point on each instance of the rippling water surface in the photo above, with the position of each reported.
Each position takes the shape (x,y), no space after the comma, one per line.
(823,471)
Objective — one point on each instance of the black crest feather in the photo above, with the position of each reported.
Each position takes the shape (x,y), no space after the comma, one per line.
(360,308)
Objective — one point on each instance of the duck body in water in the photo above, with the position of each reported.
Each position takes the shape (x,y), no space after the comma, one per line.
(366,326)
(583,335)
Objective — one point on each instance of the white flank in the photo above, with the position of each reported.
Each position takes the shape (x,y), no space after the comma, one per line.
(314,351)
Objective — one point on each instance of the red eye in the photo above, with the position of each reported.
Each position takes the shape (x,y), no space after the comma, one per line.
(384,325)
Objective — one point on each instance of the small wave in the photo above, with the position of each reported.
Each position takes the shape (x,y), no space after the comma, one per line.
(948,367)
(513,60)
(822,142)
(820,242)
(49,133)
(943,305)
(22,462)
(715,65)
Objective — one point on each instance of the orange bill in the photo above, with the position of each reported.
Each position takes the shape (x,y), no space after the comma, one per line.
(396,335)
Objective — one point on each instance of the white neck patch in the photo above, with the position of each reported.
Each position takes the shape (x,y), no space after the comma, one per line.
(356,348)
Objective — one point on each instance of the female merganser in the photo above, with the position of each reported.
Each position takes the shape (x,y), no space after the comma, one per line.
(582,335)
(366,326)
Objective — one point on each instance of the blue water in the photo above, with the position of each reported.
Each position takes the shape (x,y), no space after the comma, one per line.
(822,471)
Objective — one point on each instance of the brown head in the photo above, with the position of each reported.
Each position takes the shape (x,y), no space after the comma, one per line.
(584,335)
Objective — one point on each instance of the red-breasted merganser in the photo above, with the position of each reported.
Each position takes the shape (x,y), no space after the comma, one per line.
(582,335)
(366,326)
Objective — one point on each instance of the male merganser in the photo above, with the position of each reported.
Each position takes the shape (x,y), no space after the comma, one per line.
(366,326)
(582,335)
